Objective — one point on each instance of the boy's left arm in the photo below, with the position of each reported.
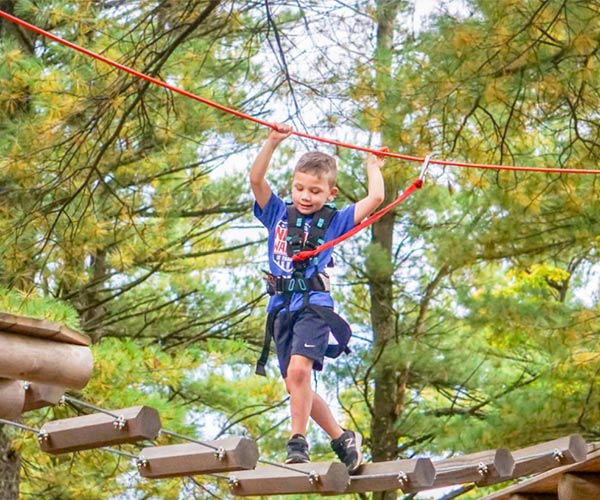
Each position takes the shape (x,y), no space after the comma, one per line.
(375,189)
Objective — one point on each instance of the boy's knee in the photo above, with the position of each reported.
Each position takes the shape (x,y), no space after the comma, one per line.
(298,373)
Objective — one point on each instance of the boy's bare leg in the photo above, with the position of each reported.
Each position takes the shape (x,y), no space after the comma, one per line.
(321,414)
(297,383)
(304,402)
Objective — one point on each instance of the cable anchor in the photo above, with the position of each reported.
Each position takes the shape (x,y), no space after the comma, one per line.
(220,453)
(120,422)
(558,455)
(313,477)
(233,482)
(141,462)
(482,469)
(402,478)
(43,436)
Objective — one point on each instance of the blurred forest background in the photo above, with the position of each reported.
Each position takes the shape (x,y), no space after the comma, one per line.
(474,304)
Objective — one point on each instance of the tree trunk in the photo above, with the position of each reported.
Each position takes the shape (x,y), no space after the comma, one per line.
(388,394)
(10,463)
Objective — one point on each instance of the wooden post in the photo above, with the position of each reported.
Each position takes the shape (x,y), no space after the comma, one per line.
(484,467)
(188,459)
(44,361)
(546,456)
(99,429)
(316,477)
(579,486)
(41,395)
(12,399)
(407,475)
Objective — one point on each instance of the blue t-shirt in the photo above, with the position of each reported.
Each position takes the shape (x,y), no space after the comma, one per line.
(274,218)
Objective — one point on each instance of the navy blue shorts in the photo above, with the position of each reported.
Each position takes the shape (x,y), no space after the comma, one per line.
(300,332)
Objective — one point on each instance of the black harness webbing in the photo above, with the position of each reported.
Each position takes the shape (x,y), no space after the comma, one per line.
(296,243)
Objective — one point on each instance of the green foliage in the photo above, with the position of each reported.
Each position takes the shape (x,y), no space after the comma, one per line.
(33,305)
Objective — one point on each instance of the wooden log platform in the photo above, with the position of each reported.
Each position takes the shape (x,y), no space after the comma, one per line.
(41,395)
(40,360)
(484,467)
(408,475)
(316,477)
(188,459)
(12,399)
(41,328)
(99,429)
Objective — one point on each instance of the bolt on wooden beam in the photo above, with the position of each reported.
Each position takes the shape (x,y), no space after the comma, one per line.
(316,477)
(484,467)
(44,361)
(188,459)
(407,475)
(99,429)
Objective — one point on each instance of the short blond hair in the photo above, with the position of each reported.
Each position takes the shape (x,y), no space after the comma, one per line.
(318,164)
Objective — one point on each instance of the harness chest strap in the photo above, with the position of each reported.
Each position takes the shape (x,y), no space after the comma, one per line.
(296,242)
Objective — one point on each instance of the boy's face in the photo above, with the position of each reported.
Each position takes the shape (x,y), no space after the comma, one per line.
(310,193)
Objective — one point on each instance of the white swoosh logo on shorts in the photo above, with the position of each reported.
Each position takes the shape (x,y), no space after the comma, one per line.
(310,345)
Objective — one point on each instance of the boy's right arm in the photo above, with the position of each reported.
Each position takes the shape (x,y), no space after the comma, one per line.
(258,183)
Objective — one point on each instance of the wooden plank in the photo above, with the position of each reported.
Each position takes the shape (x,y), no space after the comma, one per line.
(12,399)
(533,497)
(547,482)
(579,486)
(188,459)
(41,395)
(44,361)
(408,475)
(41,328)
(485,467)
(99,429)
(549,455)
(316,477)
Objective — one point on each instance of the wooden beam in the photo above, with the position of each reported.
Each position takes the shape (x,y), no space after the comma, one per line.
(44,361)
(547,482)
(12,399)
(407,475)
(42,328)
(579,486)
(316,477)
(41,395)
(225,455)
(549,455)
(526,496)
(99,429)
(485,467)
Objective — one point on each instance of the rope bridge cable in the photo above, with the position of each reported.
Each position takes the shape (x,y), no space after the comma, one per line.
(305,135)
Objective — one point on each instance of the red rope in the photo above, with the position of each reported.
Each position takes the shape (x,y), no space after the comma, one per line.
(239,114)
(307,254)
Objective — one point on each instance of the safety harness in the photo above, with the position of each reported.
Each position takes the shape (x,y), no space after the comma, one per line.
(299,283)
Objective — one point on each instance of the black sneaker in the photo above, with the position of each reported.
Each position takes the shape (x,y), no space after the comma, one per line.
(297,450)
(347,448)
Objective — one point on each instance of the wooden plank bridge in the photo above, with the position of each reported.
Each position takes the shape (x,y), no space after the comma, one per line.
(566,468)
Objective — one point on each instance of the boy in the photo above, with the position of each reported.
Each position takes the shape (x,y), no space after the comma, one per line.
(301,304)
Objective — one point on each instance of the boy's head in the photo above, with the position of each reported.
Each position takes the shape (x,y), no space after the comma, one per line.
(313,182)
